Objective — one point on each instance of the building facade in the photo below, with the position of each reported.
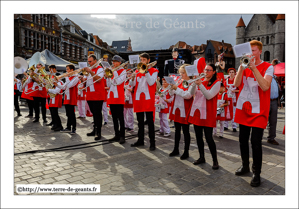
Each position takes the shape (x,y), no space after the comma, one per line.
(35,33)
(267,28)
(122,46)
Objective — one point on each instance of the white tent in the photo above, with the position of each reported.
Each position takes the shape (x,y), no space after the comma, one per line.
(49,58)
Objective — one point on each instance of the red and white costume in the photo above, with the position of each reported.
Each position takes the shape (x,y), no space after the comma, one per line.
(116,87)
(182,102)
(57,100)
(232,101)
(105,105)
(204,107)
(81,103)
(221,99)
(164,125)
(144,92)
(128,107)
(95,91)
(26,94)
(253,104)
(71,90)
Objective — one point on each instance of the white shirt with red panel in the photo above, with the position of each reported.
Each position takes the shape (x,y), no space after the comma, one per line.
(116,87)
(71,90)
(204,107)
(221,99)
(128,95)
(144,92)
(96,90)
(57,100)
(183,98)
(253,104)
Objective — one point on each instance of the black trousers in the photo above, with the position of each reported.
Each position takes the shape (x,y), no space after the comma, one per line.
(16,101)
(209,138)
(39,101)
(71,117)
(96,109)
(256,146)
(151,127)
(30,106)
(177,136)
(117,111)
(55,117)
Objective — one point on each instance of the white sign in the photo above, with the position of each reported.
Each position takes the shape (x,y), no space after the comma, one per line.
(191,70)
(134,59)
(242,49)
(169,80)
(82,65)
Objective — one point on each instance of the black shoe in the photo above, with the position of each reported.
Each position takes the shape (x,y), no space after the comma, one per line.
(53,127)
(255,181)
(91,133)
(36,120)
(174,153)
(19,114)
(184,156)
(58,129)
(215,165)
(234,130)
(225,128)
(49,124)
(105,123)
(122,140)
(114,139)
(221,137)
(45,121)
(171,127)
(30,115)
(73,131)
(66,130)
(152,148)
(98,138)
(274,142)
(242,170)
(199,161)
(137,144)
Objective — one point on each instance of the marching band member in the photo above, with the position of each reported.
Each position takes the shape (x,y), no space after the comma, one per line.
(182,102)
(26,94)
(81,103)
(203,113)
(252,110)
(128,107)
(39,96)
(16,95)
(116,99)
(52,69)
(164,125)
(55,103)
(95,95)
(222,103)
(70,99)
(232,93)
(144,101)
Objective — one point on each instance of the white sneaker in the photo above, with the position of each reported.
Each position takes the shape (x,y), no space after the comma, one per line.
(167,134)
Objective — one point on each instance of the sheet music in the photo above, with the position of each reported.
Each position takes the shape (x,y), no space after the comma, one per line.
(134,59)
(191,70)
(242,49)
(82,65)
(169,80)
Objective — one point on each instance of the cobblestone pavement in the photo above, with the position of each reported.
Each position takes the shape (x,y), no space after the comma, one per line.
(125,170)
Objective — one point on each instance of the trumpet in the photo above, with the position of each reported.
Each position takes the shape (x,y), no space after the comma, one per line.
(109,72)
(162,93)
(187,83)
(245,61)
(143,68)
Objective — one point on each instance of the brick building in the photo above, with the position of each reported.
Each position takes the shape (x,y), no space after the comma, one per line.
(122,46)
(34,33)
(267,28)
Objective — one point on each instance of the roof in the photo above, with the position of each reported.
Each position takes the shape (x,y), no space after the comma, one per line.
(218,46)
(120,46)
(241,23)
(280,17)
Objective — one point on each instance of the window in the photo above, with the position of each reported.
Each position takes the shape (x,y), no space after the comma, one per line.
(123,47)
(42,19)
(258,27)
(50,43)
(115,47)
(26,38)
(35,40)
(209,51)
(56,46)
(267,40)
(249,39)
(42,41)
(49,21)
(267,56)
(35,18)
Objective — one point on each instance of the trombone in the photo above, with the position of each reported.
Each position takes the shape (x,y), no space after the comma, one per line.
(142,68)
(187,83)
(109,72)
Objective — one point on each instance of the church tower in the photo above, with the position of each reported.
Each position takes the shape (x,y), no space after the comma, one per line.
(279,49)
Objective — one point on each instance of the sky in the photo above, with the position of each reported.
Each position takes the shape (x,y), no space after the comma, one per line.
(158,31)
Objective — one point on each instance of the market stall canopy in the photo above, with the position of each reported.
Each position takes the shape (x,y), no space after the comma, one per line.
(279,69)
(49,58)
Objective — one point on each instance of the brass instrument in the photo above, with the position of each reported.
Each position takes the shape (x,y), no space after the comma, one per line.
(109,72)
(245,61)
(143,68)
(162,93)
(186,84)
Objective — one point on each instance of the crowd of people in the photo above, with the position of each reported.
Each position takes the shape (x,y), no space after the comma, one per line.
(247,98)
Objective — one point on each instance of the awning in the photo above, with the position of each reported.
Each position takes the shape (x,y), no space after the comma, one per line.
(279,69)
